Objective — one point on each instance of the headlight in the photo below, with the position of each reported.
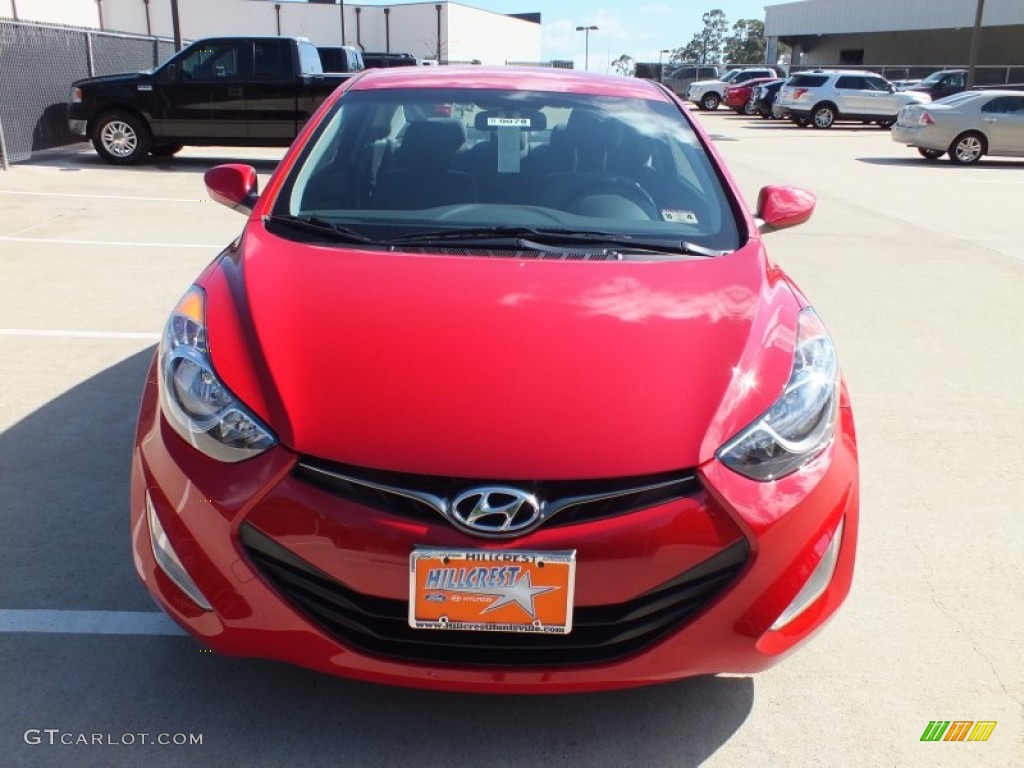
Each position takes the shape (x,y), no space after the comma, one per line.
(799,425)
(194,400)
(76,95)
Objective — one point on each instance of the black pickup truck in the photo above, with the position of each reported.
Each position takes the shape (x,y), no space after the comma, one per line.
(224,91)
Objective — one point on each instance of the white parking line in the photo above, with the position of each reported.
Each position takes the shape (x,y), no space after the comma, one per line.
(107,197)
(54,241)
(79,334)
(88,622)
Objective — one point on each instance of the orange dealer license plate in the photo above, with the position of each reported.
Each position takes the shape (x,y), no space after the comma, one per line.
(492,591)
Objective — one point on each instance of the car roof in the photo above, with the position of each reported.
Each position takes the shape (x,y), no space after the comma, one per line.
(510,78)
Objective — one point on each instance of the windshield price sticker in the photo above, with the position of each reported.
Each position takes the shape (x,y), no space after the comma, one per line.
(492,591)
(508,122)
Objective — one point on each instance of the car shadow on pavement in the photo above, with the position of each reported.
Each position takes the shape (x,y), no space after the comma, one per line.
(64,477)
(64,472)
(914,159)
(82,159)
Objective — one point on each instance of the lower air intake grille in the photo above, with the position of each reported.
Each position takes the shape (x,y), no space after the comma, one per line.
(380,626)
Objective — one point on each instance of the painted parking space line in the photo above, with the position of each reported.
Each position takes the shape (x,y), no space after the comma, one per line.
(27,332)
(20,193)
(42,621)
(55,241)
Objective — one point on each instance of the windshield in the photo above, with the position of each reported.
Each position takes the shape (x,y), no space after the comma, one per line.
(728,76)
(388,164)
(933,78)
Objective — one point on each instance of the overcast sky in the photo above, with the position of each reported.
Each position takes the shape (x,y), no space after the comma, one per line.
(639,28)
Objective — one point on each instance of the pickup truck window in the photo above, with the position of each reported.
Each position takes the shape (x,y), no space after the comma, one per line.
(272,60)
(216,61)
(309,59)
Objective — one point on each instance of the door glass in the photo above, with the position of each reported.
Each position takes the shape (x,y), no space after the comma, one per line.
(271,60)
(212,62)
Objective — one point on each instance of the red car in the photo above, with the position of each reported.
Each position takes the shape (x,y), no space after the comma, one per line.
(737,97)
(507,401)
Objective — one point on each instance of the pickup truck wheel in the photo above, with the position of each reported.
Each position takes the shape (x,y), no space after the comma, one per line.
(165,150)
(710,102)
(121,138)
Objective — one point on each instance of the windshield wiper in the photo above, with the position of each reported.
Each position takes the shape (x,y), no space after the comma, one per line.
(320,227)
(533,238)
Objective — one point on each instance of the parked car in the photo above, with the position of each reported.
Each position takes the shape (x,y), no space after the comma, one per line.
(764,96)
(707,94)
(342,58)
(822,98)
(680,78)
(738,97)
(225,91)
(943,83)
(904,84)
(341,461)
(379,59)
(965,126)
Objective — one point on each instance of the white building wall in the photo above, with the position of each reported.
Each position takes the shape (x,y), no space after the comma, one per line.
(78,13)
(491,38)
(815,17)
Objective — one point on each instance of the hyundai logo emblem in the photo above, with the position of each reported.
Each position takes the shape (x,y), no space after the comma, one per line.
(495,510)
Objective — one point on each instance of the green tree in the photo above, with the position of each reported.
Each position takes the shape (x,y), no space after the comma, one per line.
(707,46)
(624,65)
(746,44)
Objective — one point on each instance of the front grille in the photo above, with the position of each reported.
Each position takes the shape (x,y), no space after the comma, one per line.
(379,626)
(565,502)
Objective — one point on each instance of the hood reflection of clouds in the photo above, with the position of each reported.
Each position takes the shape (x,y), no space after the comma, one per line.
(634,301)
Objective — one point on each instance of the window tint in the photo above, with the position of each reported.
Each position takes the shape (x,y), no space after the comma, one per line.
(1005,105)
(807,81)
(852,82)
(272,60)
(214,61)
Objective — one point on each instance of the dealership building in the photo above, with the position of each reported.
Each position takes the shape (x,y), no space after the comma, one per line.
(879,32)
(443,31)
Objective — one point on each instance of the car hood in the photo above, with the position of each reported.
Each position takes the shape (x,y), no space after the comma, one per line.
(108,80)
(912,97)
(706,83)
(499,368)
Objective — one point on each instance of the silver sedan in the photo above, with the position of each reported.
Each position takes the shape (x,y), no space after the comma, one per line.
(966,125)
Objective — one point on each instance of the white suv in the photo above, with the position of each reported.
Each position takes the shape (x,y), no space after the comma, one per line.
(707,94)
(820,98)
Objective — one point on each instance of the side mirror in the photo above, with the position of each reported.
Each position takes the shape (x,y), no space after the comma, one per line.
(170,73)
(781,207)
(233,185)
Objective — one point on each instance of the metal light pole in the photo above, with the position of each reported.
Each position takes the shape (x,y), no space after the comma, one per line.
(586,32)
(661,67)
(975,44)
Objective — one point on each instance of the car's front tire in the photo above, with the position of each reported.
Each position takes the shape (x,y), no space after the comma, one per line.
(967,148)
(121,138)
(710,102)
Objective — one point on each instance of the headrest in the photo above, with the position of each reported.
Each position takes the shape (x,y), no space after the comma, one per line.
(429,143)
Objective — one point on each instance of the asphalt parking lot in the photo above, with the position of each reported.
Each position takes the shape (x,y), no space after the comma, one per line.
(916,267)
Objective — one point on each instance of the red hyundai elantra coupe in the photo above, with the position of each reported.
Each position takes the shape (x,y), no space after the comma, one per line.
(498,391)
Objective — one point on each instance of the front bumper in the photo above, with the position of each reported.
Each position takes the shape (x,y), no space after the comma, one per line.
(210,512)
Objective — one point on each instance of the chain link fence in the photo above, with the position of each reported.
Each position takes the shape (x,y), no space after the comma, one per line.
(38,63)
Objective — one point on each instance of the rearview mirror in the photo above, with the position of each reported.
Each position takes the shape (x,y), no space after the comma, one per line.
(234,185)
(781,207)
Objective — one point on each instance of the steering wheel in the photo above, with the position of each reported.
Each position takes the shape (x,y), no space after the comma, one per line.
(626,190)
